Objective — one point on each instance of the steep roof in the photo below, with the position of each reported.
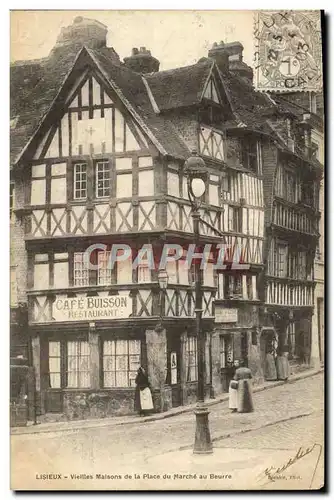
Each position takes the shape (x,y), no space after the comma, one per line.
(31,102)
(31,99)
(179,87)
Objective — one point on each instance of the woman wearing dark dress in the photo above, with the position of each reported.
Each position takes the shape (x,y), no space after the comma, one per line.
(143,395)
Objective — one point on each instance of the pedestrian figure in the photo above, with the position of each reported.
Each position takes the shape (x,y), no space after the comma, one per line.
(282,364)
(243,376)
(233,390)
(270,371)
(143,395)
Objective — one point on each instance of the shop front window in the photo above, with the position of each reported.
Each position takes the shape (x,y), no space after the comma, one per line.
(78,364)
(121,360)
(191,349)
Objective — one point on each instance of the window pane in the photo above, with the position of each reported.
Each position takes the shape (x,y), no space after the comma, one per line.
(109,379)
(41,276)
(54,365)
(134,346)
(122,347)
(102,179)
(122,379)
(124,271)
(120,368)
(80,181)
(104,269)
(60,279)
(41,257)
(80,272)
(54,348)
(54,380)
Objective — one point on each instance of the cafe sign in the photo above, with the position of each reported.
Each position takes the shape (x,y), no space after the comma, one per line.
(226,315)
(92,308)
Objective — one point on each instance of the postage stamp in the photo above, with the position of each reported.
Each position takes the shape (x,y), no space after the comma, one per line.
(288,51)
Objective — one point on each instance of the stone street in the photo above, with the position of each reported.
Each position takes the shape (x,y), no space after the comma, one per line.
(285,418)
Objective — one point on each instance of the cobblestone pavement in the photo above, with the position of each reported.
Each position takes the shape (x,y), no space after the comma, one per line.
(120,448)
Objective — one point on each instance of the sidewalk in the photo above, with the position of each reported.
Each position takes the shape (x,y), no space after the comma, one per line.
(128,420)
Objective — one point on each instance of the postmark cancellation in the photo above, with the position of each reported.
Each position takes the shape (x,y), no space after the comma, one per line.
(288,51)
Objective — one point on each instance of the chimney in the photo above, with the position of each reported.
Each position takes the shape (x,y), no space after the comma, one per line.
(235,61)
(219,54)
(141,61)
(81,32)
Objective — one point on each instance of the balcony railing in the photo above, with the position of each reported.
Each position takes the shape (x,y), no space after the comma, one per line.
(294,219)
(289,294)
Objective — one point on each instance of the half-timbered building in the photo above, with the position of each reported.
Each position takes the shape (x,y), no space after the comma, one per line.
(99,147)
(292,191)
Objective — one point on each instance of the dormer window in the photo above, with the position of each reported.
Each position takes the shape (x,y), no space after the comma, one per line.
(251,154)
(211,92)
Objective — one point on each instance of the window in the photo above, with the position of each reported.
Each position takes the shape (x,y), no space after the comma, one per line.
(54,365)
(191,353)
(233,286)
(60,270)
(144,272)
(104,269)
(290,187)
(214,190)
(38,185)
(41,272)
(80,181)
(121,360)
(102,179)
(250,153)
(226,351)
(78,364)
(301,263)
(211,92)
(234,219)
(58,183)
(307,192)
(81,271)
(282,260)
(249,286)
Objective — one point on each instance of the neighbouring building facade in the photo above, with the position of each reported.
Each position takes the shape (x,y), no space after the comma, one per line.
(98,152)
(293,192)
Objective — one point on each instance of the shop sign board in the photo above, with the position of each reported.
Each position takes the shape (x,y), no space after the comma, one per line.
(226,315)
(92,308)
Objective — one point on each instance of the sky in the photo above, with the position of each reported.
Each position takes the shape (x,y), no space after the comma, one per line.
(175,38)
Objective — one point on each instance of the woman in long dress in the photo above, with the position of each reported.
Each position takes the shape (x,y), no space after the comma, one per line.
(143,395)
(233,391)
(282,363)
(243,376)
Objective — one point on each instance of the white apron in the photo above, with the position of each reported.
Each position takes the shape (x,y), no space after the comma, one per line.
(146,402)
(233,398)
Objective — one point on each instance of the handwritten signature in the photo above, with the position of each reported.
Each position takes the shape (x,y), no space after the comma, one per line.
(274,473)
